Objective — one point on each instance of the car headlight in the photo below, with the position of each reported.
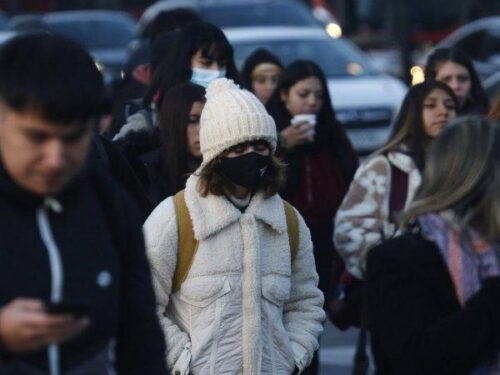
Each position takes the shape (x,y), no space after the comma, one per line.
(99,65)
(417,74)
(334,30)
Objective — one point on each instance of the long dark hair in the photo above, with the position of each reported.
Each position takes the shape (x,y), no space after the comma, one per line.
(477,101)
(330,133)
(408,128)
(176,67)
(173,119)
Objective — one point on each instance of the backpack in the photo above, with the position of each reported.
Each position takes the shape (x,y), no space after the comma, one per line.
(188,245)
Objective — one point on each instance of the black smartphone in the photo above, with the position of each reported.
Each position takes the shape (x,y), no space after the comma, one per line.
(77,309)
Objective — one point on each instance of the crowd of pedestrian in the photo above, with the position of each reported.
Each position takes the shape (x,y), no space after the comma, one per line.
(197,233)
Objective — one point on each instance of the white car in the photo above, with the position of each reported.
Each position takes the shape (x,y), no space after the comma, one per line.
(364,99)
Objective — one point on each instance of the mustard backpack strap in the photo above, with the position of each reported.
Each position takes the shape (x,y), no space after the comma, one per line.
(186,245)
(292,223)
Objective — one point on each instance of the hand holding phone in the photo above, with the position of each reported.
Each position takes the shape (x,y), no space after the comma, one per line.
(77,309)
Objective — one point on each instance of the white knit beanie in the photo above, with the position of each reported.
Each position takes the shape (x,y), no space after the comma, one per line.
(232,116)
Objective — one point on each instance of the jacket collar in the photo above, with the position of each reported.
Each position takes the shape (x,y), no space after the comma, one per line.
(211,214)
(402,160)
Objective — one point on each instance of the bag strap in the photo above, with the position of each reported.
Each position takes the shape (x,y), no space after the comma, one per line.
(187,244)
(398,193)
(292,224)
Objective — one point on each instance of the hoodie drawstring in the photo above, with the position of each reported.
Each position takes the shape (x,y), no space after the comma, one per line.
(56,269)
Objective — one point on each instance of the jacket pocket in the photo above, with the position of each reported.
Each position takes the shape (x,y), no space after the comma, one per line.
(276,289)
(276,292)
(201,292)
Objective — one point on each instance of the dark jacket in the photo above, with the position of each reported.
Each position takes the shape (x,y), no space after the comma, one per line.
(317,174)
(417,324)
(99,240)
(114,161)
(162,183)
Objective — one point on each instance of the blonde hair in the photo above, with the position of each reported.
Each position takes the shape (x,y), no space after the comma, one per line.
(462,174)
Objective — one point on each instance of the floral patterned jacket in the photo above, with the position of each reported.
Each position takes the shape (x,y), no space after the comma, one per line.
(362,220)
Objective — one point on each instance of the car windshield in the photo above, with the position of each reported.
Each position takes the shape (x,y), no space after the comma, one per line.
(95,34)
(242,15)
(336,57)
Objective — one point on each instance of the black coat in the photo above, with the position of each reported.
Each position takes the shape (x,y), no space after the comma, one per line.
(417,324)
(114,161)
(98,236)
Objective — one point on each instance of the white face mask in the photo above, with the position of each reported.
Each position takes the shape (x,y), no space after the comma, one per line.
(203,77)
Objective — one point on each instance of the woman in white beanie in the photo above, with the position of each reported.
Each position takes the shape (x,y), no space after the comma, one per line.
(248,302)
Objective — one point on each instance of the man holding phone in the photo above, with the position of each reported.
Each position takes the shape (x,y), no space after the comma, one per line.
(75,287)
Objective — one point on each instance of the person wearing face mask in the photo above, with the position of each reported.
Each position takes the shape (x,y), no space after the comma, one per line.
(453,67)
(198,53)
(201,53)
(247,304)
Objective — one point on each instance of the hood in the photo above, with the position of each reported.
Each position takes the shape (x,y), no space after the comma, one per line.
(15,193)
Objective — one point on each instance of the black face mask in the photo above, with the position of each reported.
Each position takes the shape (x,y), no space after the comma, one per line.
(245,170)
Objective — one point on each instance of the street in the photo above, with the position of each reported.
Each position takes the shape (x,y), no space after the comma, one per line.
(337,351)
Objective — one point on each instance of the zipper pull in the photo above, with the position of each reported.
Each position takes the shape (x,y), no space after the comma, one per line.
(181,367)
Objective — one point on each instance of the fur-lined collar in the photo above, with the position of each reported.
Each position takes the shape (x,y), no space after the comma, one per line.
(402,160)
(211,214)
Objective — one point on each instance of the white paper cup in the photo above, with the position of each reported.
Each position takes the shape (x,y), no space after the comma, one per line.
(304,117)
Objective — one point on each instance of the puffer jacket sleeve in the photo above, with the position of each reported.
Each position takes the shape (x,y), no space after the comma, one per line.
(135,123)
(303,313)
(362,220)
(160,231)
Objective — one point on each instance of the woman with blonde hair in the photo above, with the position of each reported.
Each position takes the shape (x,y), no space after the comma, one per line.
(434,291)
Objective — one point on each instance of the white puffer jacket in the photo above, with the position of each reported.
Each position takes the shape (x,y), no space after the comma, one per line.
(243,308)
(362,220)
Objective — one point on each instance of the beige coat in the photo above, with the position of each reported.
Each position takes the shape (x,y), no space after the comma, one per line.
(243,309)
(362,220)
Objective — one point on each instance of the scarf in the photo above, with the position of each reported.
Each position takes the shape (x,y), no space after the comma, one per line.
(469,259)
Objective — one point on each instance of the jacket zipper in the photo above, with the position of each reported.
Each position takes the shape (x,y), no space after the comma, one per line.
(56,270)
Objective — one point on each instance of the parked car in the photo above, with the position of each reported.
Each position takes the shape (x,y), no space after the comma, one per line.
(246,13)
(492,86)
(364,99)
(4,20)
(5,36)
(480,40)
(105,34)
